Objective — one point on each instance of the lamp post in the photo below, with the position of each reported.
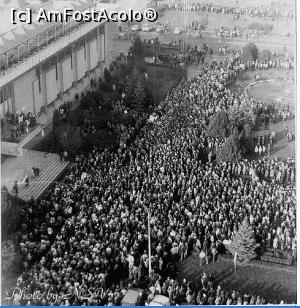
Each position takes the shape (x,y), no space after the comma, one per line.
(149,244)
(153,52)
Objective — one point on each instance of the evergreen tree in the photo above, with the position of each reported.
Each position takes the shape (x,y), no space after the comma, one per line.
(55,119)
(265,55)
(230,151)
(138,48)
(249,52)
(138,53)
(107,76)
(246,139)
(7,256)
(219,126)
(243,243)
(135,92)
(240,115)
(68,137)
(138,95)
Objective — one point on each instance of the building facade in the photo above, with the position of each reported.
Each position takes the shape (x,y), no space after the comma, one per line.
(50,67)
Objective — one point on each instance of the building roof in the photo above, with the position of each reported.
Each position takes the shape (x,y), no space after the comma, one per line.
(12,35)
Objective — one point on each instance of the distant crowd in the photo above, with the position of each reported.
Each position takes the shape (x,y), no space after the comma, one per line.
(262,11)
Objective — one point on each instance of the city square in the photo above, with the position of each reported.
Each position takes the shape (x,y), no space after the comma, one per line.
(153,163)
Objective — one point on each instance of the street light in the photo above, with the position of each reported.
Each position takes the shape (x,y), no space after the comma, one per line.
(149,244)
(152,42)
(149,238)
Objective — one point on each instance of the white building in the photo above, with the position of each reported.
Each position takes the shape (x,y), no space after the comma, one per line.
(44,64)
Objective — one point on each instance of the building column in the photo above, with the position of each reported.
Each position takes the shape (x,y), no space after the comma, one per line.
(44,88)
(12,94)
(60,77)
(74,63)
(88,55)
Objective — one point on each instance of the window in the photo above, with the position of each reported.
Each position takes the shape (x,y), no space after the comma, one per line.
(56,70)
(84,47)
(38,75)
(1,96)
(71,56)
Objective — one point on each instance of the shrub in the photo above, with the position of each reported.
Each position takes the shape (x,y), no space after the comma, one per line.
(68,137)
(265,55)
(88,102)
(249,52)
(230,151)
(107,76)
(105,86)
(219,126)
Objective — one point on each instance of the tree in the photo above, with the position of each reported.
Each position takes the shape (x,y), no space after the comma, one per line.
(138,53)
(7,255)
(68,137)
(249,52)
(107,76)
(230,151)
(219,126)
(88,102)
(246,139)
(265,55)
(135,89)
(55,119)
(240,115)
(138,48)
(138,96)
(243,244)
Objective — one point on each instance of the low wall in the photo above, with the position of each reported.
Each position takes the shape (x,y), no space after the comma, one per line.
(11,149)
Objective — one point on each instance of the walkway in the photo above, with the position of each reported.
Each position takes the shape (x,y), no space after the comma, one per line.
(15,169)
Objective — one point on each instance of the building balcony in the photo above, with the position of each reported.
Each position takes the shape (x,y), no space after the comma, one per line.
(44,52)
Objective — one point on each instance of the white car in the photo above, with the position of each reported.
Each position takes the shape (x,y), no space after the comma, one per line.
(177,31)
(136,28)
(160,300)
(160,29)
(147,28)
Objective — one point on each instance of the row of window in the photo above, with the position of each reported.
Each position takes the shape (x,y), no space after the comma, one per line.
(5,92)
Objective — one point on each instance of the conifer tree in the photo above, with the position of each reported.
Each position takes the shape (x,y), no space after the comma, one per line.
(219,126)
(243,243)
(231,150)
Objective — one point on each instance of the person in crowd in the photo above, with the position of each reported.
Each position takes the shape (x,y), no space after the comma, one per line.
(90,231)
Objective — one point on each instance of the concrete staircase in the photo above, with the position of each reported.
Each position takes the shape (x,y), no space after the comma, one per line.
(48,175)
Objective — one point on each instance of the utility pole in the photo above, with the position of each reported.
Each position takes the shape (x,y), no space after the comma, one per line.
(149,244)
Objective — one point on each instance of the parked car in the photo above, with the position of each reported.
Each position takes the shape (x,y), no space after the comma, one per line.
(160,29)
(131,296)
(177,31)
(136,28)
(147,28)
(160,300)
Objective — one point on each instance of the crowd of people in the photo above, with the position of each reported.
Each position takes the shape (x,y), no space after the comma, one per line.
(185,292)
(19,124)
(262,11)
(90,231)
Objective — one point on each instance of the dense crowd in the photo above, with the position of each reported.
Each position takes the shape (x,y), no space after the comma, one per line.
(90,232)
(19,124)
(206,293)
(254,11)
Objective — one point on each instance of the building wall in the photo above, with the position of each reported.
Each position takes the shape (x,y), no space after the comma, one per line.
(32,91)
(52,85)
(26,96)
(81,63)
(94,54)
(68,74)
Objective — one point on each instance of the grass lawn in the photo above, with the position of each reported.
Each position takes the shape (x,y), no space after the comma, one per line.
(275,282)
